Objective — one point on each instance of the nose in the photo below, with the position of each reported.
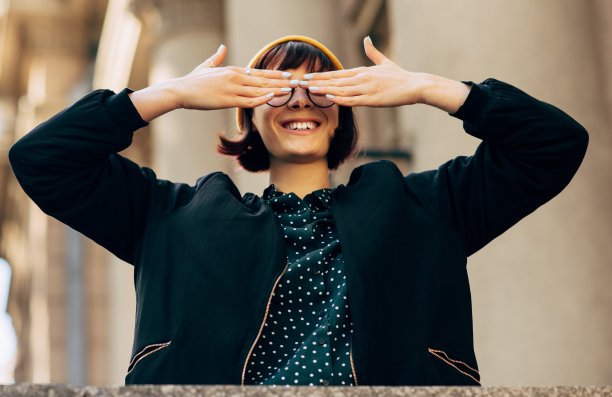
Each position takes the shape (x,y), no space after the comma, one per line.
(299,99)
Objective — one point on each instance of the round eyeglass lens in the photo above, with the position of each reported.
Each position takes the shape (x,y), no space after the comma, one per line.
(319,100)
(280,100)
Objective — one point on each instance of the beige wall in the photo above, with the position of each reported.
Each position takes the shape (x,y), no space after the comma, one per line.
(542,302)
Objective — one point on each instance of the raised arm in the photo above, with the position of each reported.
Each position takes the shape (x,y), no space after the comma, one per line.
(70,167)
(530,149)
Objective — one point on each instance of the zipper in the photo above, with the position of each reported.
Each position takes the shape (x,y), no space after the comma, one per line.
(445,358)
(146,351)
(246,362)
(353,365)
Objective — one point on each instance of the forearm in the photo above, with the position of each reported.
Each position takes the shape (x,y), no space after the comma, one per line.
(443,93)
(507,117)
(156,100)
(530,152)
(83,135)
(76,141)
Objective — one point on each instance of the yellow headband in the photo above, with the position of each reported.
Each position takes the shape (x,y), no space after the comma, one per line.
(326,51)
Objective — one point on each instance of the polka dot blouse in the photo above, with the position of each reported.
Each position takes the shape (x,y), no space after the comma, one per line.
(306,338)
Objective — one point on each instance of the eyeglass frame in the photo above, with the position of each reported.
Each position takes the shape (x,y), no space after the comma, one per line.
(307,94)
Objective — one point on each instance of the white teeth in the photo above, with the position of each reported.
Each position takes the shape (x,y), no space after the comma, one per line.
(301,125)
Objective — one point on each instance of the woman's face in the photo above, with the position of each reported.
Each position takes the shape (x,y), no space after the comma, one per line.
(298,132)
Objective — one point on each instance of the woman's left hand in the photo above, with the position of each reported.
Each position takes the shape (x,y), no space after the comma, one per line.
(385,85)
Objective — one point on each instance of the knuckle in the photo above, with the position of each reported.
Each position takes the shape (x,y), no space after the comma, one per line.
(233,76)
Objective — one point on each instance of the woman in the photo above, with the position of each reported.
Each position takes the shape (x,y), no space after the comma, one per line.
(362,284)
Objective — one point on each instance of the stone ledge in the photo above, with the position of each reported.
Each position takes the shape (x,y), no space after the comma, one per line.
(60,390)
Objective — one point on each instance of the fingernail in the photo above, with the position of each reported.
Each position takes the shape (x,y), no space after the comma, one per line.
(293,82)
(330,96)
(286,74)
(220,47)
(369,39)
(270,95)
(308,76)
(313,88)
(286,89)
(302,83)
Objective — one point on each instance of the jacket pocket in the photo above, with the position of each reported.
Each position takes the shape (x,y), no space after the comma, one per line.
(146,351)
(458,365)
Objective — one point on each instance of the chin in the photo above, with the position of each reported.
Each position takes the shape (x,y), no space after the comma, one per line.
(304,156)
(301,157)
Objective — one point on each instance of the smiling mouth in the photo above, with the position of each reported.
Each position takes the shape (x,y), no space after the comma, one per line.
(300,125)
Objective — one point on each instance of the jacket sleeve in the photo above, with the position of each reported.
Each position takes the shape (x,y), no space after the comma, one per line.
(68,165)
(530,151)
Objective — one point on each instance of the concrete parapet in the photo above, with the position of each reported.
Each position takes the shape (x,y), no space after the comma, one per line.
(61,390)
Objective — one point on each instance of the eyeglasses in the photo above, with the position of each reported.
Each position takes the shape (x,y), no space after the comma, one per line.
(318,100)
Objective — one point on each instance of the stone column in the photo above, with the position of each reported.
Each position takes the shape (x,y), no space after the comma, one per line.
(53,58)
(541,291)
(185,33)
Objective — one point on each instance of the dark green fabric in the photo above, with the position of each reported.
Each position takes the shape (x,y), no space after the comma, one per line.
(306,338)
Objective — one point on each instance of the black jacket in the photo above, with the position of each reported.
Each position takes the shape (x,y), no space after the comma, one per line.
(206,259)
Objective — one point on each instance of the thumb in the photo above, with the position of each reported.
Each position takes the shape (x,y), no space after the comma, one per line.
(372,53)
(217,58)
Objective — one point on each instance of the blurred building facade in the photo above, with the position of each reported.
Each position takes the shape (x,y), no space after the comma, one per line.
(541,292)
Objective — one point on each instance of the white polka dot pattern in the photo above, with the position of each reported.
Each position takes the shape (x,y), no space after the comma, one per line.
(307,335)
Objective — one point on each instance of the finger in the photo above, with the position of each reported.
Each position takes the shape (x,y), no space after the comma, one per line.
(350,101)
(214,60)
(335,74)
(372,53)
(339,82)
(217,58)
(254,92)
(338,91)
(266,82)
(268,73)
(245,102)
(219,55)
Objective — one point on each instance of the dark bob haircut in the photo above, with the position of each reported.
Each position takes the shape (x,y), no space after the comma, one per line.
(250,150)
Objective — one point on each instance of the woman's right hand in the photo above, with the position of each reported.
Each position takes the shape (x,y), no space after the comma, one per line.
(210,87)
